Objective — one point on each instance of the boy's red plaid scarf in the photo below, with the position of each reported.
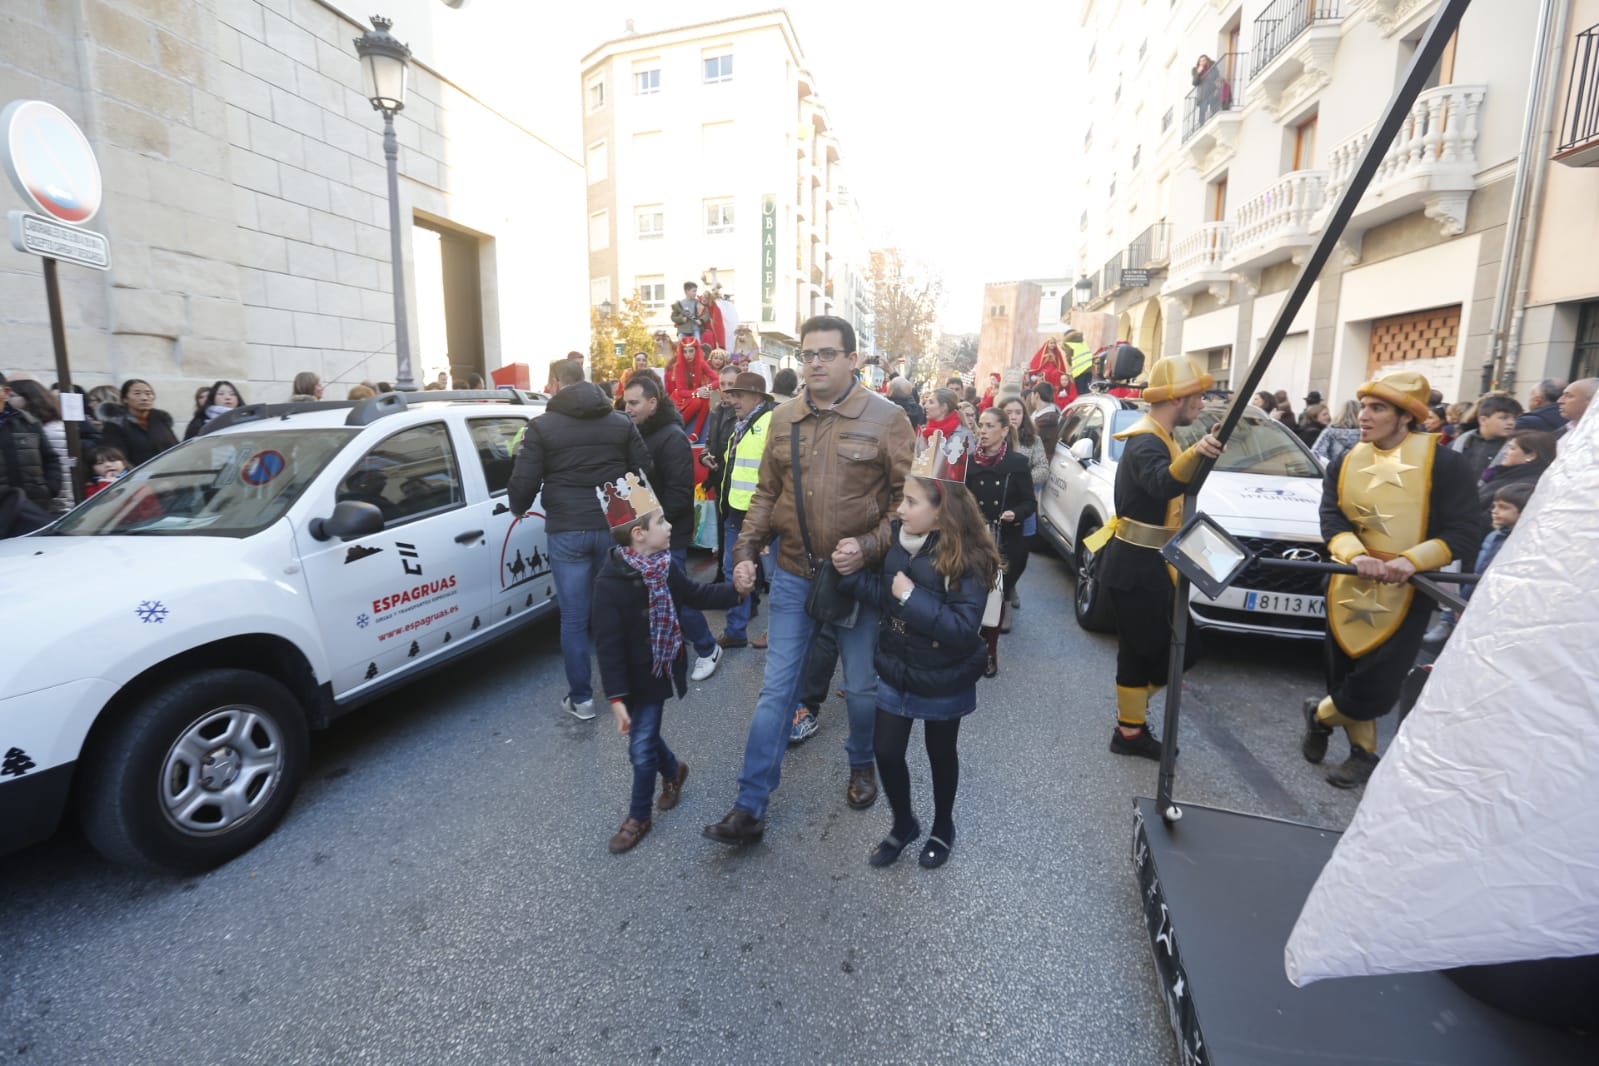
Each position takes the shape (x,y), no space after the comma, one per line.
(666,636)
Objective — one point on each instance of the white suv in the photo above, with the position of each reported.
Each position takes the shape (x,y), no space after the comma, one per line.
(1266,490)
(176,636)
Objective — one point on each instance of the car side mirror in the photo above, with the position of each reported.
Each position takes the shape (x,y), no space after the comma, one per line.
(350,520)
(1083,450)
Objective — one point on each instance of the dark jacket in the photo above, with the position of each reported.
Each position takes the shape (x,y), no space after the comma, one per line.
(578,444)
(1546,418)
(119,429)
(912,409)
(1144,487)
(1478,451)
(1005,486)
(1497,477)
(718,431)
(621,617)
(673,459)
(931,646)
(27,461)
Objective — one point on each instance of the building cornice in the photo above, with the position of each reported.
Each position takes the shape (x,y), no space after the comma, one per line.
(778,17)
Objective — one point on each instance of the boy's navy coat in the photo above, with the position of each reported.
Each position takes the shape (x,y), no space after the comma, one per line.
(621,620)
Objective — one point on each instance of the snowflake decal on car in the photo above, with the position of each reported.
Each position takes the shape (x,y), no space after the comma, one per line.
(151,611)
(362,621)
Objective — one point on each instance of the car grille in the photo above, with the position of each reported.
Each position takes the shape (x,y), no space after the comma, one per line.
(1293,583)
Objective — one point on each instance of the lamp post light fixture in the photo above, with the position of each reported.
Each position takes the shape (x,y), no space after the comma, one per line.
(605,309)
(1084,287)
(384,63)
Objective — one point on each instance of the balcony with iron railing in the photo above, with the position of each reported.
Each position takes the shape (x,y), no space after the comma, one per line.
(1294,38)
(1198,261)
(1431,166)
(1212,109)
(1278,224)
(1579,118)
(1110,276)
(1151,249)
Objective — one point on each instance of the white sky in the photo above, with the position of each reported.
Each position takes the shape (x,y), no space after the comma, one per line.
(951,116)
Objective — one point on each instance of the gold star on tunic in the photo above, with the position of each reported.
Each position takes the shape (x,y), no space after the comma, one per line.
(1371,518)
(1386,469)
(1364,607)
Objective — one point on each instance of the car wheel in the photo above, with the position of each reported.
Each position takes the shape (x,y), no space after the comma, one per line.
(195,774)
(1089,602)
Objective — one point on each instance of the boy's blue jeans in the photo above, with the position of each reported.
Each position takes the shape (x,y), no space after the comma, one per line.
(696,630)
(650,757)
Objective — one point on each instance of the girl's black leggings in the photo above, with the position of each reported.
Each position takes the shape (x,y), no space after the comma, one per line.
(893,735)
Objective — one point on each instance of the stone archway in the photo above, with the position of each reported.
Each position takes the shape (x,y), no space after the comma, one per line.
(1124,327)
(1151,330)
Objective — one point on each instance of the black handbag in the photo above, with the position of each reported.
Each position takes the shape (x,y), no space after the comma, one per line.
(825,601)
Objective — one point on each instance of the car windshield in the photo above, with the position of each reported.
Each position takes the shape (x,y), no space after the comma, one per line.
(221,485)
(1259,445)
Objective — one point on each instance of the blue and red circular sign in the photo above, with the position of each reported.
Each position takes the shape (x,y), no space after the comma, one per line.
(49,161)
(262,467)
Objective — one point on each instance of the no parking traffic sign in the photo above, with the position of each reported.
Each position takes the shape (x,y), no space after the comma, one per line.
(50,162)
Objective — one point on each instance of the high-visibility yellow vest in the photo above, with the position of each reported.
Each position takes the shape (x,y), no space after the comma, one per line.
(744,463)
(1082,358)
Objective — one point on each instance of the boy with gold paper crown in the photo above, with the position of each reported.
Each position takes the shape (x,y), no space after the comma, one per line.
(639,642)
(1393,505)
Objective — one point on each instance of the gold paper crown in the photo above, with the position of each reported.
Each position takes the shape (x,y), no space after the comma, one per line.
(627,500)
(942,460)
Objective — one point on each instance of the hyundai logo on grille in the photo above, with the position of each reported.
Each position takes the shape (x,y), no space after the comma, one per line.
(1302,555)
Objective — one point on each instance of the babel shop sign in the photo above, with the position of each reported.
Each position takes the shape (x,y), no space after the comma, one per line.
(769,258)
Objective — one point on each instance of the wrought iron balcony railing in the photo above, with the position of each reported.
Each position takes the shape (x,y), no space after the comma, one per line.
(1579,120)
(1285,20)
(1220,88)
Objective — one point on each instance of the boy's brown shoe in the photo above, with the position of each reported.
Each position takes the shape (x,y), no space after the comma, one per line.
(631,833)
(672,789)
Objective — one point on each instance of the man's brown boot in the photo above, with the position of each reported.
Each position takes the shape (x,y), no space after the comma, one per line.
(862,791)
(631,833)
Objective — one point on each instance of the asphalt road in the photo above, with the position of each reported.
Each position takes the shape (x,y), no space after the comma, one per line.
(441,890)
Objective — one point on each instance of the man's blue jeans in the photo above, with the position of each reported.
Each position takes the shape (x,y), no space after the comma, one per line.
(696,630)
(575,559)
(789,634)
(738,616)
(650,757)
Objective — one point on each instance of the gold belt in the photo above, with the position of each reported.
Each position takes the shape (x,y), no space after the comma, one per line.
(1142,534)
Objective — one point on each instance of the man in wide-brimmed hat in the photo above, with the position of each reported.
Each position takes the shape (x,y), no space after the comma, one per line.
(741,467)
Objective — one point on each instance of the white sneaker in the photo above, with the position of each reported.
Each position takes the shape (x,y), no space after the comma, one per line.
(583,712)
(705,665)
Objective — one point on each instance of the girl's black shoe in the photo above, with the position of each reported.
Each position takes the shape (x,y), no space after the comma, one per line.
(888,849)
(936,853)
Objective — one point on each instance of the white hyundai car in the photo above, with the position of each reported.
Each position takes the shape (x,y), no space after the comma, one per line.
(174,638)
(1265,490)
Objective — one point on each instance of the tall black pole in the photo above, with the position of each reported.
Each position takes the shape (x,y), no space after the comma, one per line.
(1427,55)
(403,382)
(58,338)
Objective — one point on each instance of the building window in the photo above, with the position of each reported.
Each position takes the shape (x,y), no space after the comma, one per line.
(1138,152)
(1088,138)
(1165,119)
(1585,356)
(597,162)
(718,68)
(599,231)
(596,94)
(652,293)
(646,82)
(1112,194)
(1305,144)
(651,222)
(599,291)
(719,216)
(1216,200)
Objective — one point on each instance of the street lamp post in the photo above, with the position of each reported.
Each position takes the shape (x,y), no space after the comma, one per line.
(385,61)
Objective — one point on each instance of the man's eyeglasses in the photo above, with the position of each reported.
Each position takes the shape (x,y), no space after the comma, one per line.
(820,355)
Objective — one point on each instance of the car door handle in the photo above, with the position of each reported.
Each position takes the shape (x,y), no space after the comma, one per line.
(500,508)
(469,536)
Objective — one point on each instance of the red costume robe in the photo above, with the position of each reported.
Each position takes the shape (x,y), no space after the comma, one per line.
(688,373)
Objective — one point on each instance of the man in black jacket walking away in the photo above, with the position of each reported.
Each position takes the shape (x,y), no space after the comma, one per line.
(659,422)
(28,465)
(580,441)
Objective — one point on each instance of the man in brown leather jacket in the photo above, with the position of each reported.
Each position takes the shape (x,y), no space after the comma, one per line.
(855,448)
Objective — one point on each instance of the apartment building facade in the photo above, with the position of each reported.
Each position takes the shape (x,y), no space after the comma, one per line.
(1209,179)
(246,197)
(710,147)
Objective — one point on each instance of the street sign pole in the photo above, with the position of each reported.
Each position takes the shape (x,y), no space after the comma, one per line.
(58,338)
(1427,55)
